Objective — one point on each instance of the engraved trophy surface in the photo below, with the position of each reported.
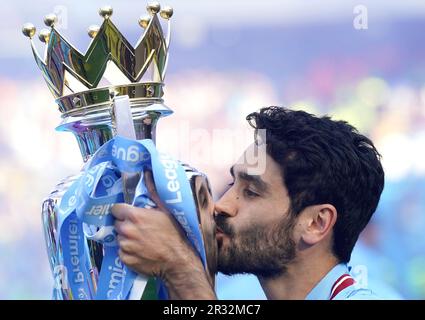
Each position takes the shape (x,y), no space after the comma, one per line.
(87,108)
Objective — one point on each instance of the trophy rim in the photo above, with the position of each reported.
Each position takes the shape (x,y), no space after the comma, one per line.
(147,92)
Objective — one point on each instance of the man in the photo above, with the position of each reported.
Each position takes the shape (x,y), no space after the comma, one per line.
(293,226)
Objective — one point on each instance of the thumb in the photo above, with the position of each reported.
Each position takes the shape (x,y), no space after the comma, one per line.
(121,211)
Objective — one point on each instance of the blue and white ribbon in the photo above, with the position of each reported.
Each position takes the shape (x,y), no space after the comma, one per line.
(85,213)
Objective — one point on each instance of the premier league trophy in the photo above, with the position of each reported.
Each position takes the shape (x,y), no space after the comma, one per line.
(110,98)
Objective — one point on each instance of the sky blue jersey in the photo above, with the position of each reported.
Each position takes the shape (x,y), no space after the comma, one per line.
(338,284)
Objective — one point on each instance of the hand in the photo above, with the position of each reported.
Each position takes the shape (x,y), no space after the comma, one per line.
(152,243)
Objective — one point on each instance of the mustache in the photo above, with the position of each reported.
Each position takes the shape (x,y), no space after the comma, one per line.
(222,223)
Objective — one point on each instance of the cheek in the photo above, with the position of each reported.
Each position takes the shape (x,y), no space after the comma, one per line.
(260,213)
(297,231)
(245,224)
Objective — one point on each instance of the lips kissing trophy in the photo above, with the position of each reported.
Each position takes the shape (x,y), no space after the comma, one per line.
(110,98)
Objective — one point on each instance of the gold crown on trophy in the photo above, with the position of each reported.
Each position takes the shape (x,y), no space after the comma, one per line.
(111,65)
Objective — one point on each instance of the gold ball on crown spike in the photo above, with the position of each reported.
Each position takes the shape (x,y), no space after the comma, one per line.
(44,35)
(50,20)
(167,12)
(106,12)
(93,31)
(153,7)
(144,21)
(28,30)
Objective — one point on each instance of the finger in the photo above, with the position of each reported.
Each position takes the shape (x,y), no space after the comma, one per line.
(120,238)
(153,194)
(128,246)
(119,227)
(121,211)
(128,259)
(126,229)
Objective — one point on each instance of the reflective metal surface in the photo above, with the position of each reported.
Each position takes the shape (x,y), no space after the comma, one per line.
(78,83)
(65,67)
(201,192)
(119,69)
(74,77)
(50,224)
(93,127)
(140,93)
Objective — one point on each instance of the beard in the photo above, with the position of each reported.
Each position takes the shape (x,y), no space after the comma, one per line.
(264,251)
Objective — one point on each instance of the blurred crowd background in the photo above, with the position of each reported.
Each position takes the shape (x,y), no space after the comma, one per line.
(229,58)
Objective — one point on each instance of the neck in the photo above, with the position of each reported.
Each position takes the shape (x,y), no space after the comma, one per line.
(300,278)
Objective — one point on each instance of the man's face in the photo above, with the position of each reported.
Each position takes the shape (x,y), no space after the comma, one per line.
(254,226)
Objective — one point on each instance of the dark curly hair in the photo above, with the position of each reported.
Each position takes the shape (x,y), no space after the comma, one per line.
(325,161)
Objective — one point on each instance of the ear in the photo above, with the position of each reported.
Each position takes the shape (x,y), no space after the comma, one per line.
(318,222)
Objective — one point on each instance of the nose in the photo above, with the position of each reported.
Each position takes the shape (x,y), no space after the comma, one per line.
(226,205)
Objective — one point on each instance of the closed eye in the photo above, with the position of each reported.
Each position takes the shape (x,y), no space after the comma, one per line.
(250,194)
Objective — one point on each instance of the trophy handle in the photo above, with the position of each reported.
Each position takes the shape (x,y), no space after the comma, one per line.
(49,213)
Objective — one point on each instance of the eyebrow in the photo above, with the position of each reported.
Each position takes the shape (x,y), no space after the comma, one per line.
(256,180)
